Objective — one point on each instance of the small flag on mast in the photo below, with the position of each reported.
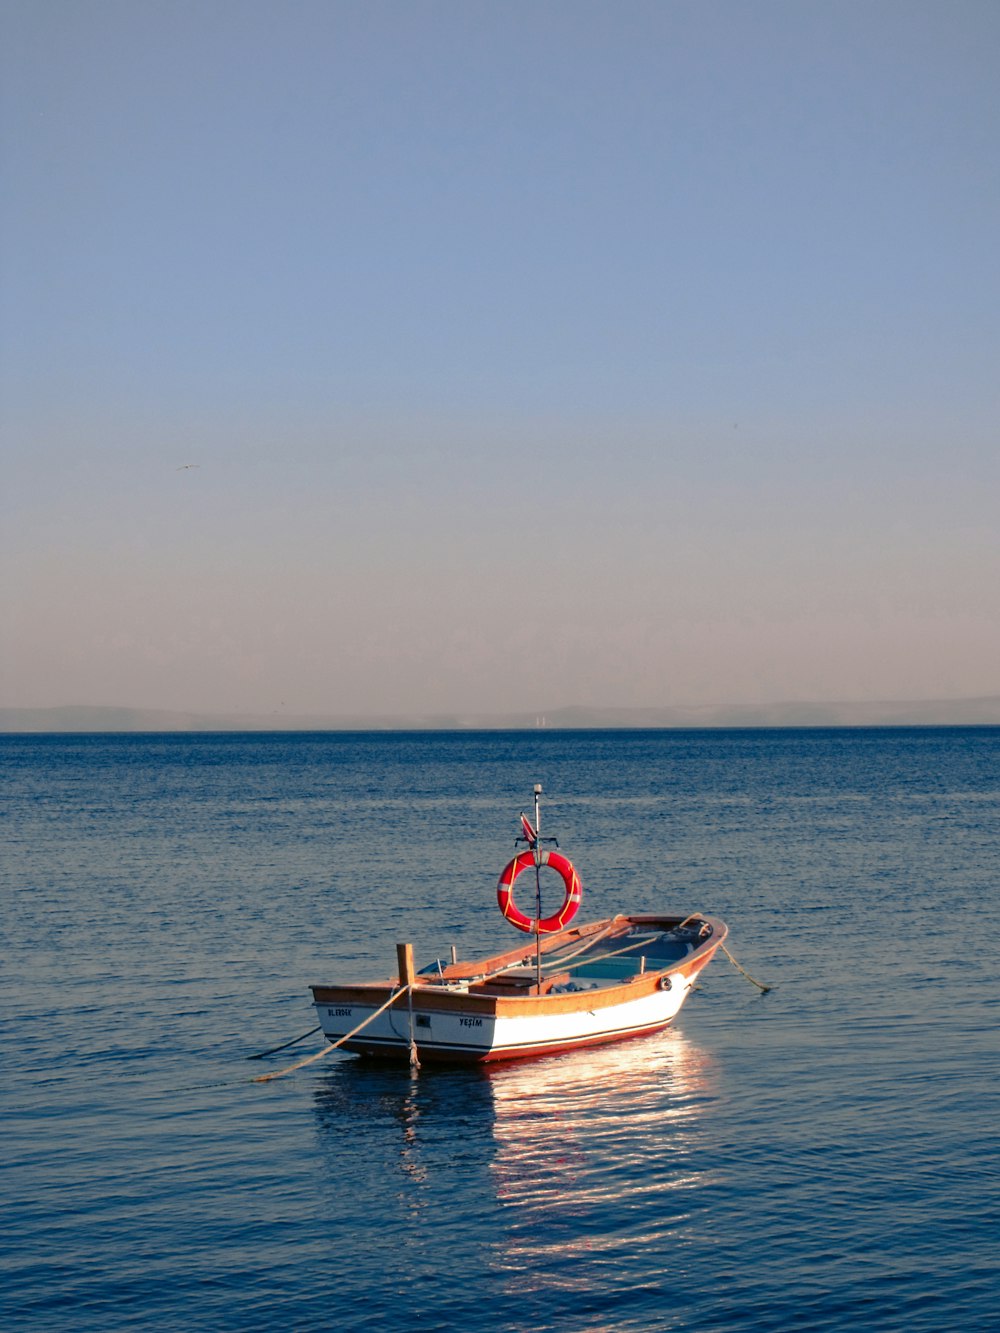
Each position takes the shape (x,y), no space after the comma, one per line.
(530,836)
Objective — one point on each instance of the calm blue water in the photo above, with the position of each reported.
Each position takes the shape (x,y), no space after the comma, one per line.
(820,1156)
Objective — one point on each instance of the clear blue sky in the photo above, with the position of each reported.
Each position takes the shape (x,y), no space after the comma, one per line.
(530,354)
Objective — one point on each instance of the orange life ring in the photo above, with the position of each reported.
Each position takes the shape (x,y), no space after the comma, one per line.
(505,892)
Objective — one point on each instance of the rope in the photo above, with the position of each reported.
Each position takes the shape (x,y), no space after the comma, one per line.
(561,959)
(759,984)
(636,944)
(553,957)
(280,1073)
(600,957)
(558,961)
(414,1060)
(695,916)
(284,1045)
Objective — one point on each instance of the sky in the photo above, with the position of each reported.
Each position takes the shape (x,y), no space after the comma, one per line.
(412,356)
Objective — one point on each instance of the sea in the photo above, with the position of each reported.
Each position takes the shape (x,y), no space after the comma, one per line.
(820,1156)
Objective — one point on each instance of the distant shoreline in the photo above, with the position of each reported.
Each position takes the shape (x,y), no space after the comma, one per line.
(977,712)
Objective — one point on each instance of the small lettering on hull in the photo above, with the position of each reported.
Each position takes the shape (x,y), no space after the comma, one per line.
(341,1013)
(470,1022)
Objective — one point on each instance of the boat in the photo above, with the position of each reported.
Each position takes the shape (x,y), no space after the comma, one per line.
(570,986)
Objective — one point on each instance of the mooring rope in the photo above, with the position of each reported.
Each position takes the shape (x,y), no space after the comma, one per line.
(284,1045)
(414,1061)
(280,1073)
(759,984)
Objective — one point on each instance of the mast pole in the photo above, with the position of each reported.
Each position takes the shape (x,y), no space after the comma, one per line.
(538,890)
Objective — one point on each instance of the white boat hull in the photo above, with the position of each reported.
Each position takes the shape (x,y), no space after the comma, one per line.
(466,1035)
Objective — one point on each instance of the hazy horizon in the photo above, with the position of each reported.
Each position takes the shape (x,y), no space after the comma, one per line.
(965,712)
(444,357)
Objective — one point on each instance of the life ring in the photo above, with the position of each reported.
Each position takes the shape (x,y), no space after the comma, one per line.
(505,892)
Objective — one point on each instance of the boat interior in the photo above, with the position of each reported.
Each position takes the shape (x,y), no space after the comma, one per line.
(622,950)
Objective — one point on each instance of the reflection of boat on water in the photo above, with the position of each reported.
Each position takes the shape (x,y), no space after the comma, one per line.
(549,1112)
(641,1095)
(599,1158)
(535,1169)
(574,986)
(664,1064)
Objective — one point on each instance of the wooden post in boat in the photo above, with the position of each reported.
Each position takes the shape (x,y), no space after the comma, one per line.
(404,960)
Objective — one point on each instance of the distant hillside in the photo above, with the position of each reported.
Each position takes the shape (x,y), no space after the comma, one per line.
(890,713)
(884,713)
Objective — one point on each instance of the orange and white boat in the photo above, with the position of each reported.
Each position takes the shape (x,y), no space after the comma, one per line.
(571,986)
